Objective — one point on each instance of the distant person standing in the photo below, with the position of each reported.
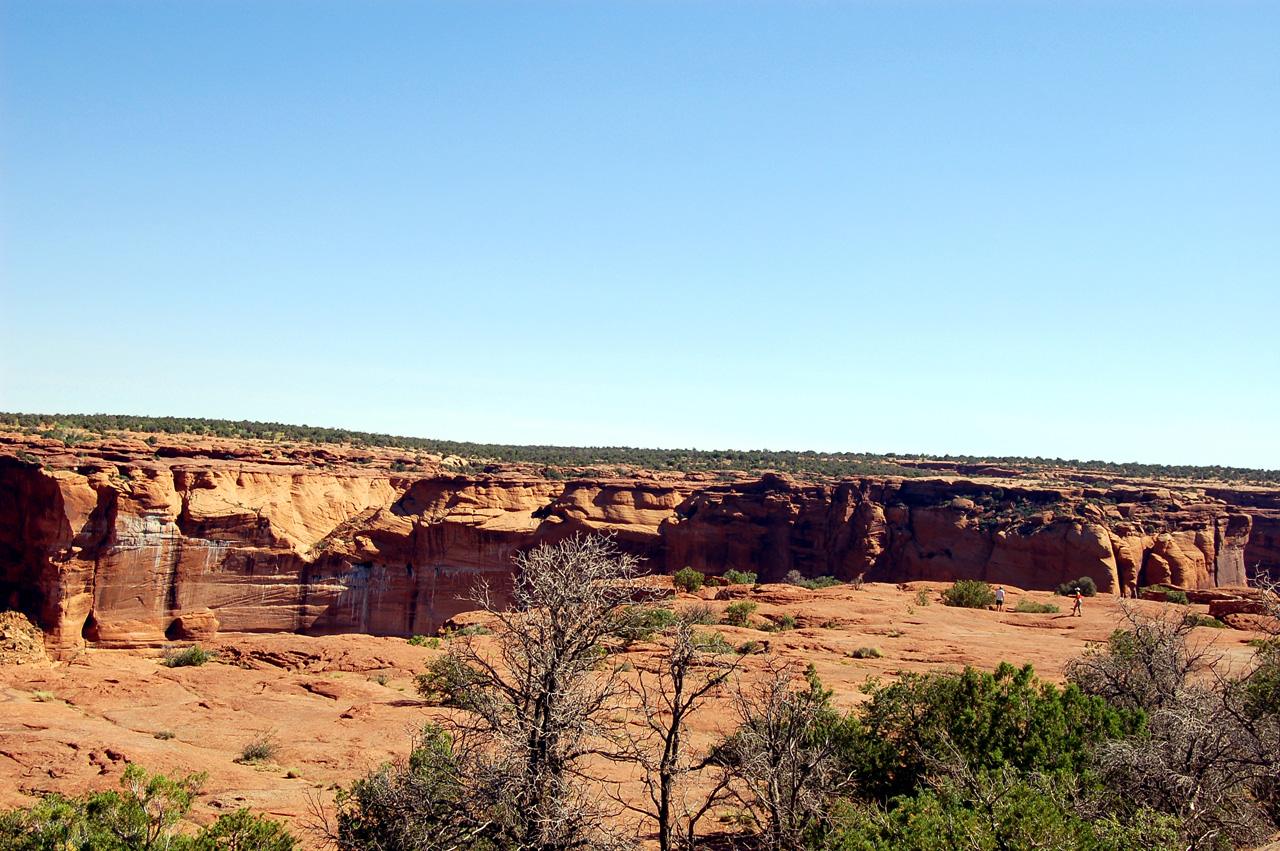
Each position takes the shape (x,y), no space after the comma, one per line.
(1000,599)
(1078,608)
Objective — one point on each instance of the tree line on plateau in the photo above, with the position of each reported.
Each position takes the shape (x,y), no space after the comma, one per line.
(805,464)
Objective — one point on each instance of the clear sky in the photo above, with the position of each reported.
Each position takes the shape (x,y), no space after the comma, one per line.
(1035,228)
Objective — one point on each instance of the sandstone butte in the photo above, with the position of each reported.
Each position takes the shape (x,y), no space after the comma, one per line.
(122,543)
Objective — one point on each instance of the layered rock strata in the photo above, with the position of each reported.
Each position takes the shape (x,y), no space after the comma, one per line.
(125,546)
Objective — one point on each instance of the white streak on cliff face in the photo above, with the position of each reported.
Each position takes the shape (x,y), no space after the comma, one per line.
(214,553)
(288,550)
(134,531)
(139,568)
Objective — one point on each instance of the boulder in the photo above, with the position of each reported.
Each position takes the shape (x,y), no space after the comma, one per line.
(1252,623)
(197,626)
(1221,608)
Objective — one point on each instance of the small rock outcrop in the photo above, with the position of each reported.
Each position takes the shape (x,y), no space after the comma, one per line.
(21,642)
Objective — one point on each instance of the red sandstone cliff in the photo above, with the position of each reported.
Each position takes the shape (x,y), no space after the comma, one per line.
(122,543)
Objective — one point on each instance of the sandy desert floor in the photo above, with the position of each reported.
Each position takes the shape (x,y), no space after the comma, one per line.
(337,706)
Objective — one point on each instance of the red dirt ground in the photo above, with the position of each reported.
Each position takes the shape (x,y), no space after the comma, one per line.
(71,727)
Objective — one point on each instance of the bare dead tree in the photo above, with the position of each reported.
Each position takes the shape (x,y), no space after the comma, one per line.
(1269,595)
(318,823)
(534,694)
(1252,701)
(692,670)
(1143,667)
(782,760)
(1207,756)
(1194,765)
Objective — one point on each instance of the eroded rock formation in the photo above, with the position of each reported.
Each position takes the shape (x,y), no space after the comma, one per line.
(129,544)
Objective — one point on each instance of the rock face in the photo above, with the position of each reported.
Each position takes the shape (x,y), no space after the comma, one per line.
(129,547)
(1262,550)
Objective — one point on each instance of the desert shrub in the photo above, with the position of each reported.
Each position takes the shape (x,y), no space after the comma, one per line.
(795,577)
(1194,619)
(687,579)
(164,735)
(52,824)
(641,624)
(381,678)
(866,653)
(922,597)
(424,641)
(471,629)
(711,642)
(1171,595)
(987,721)
(786,622)
(991,810)
(447,682)
(737,577)
(1260,688)
(739,818)
(746,648)
(261,748)
(739,613)
(1086,586)
(1028,606)
(819,582)
(43,696)
(701,615)
(969,594)
(658,618)
(195,655)
(244,831)
(144,815)
(713,581)
(446,795)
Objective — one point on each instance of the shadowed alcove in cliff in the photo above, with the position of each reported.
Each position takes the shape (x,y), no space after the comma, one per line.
(89,631)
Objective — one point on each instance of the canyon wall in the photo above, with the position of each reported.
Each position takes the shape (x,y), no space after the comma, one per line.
(133,550)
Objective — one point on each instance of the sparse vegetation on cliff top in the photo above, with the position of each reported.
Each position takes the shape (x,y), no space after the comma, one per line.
(75,428)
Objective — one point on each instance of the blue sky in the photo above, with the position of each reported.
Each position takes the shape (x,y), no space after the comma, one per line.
(1025,228)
